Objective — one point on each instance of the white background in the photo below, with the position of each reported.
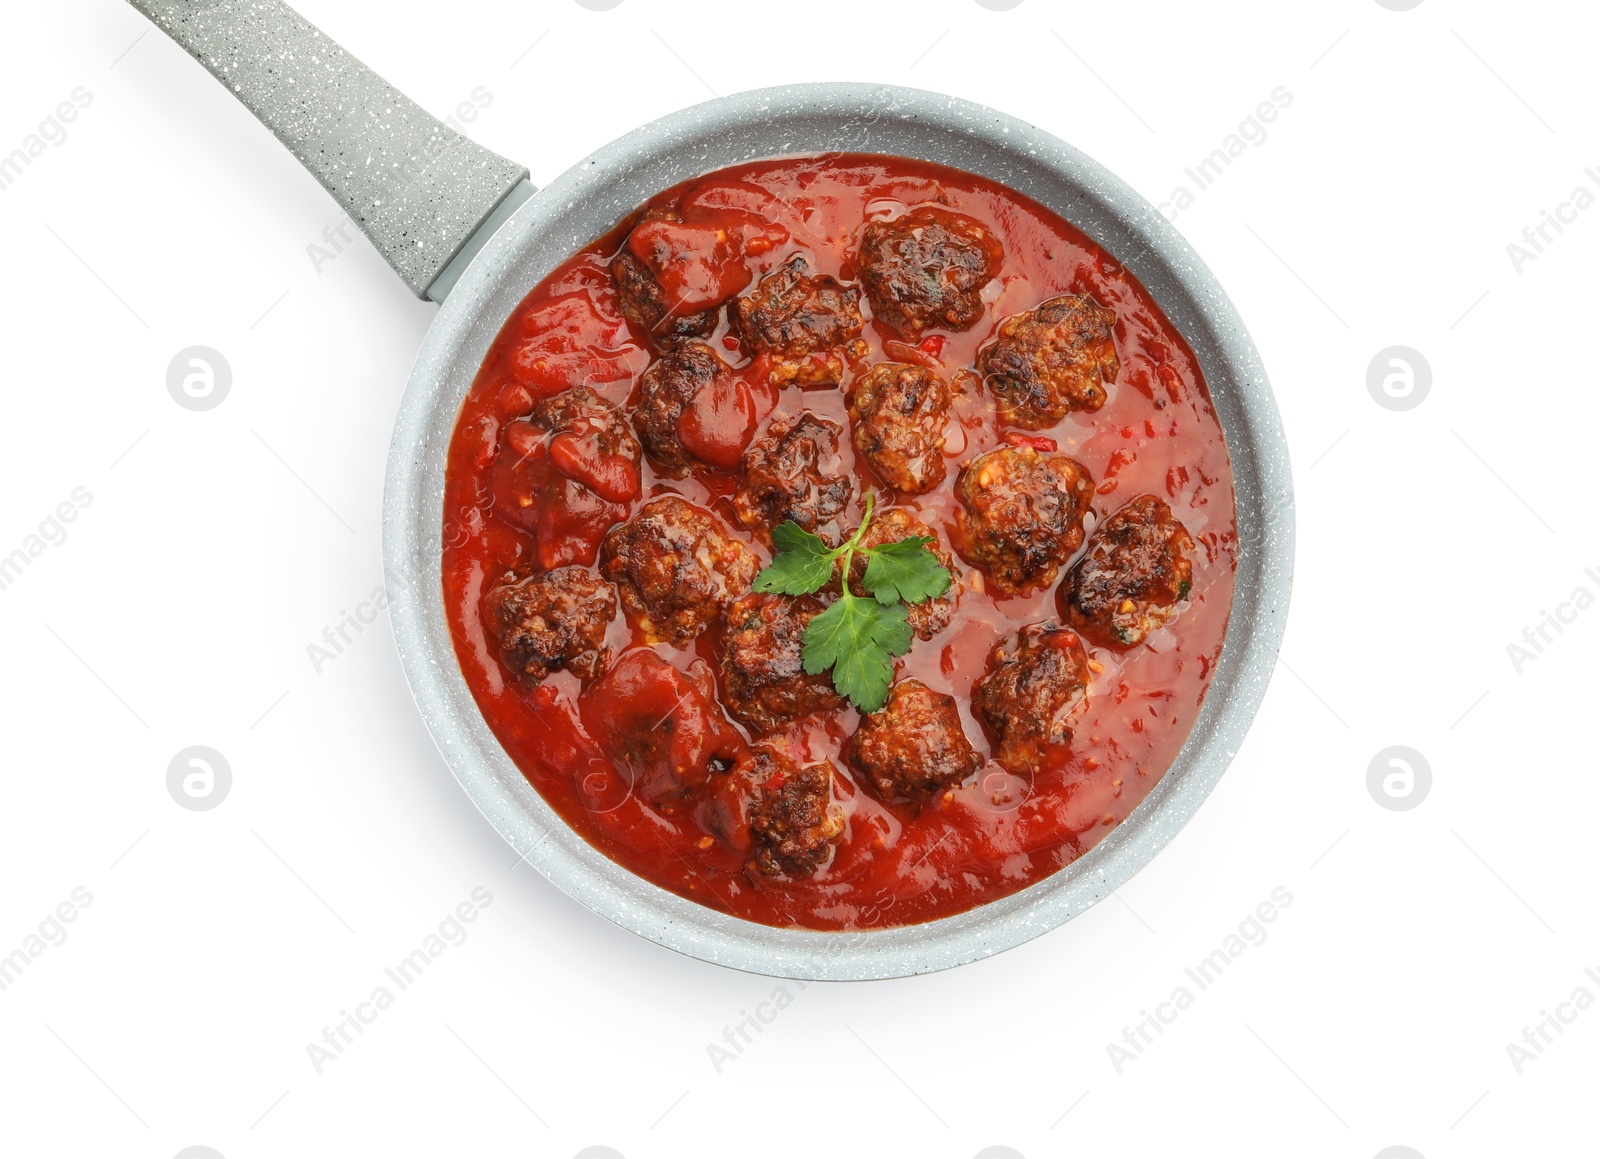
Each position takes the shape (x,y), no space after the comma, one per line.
(218,545)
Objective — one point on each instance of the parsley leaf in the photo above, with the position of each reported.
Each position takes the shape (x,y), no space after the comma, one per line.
(905,570)
(858,639)
(801,562)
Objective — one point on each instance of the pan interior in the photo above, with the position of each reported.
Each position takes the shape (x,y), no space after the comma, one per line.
(592,198)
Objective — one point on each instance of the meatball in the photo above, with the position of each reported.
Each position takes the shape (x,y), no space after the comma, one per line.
(591,442)
(914,746)
(552,620)
(671,276)
(644,303)
(795,473)
(764,683)
(677,568)
(692,411)
(926,270)
(931,616)
(1027,698)
(1057,357)
(1129,582)
(899,414)
(800,321)
(659,727)
(566,475)
(794,823)
(1021,515)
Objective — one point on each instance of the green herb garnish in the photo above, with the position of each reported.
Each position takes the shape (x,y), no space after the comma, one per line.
(857,638)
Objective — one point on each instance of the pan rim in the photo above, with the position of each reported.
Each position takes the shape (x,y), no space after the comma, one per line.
(848,118)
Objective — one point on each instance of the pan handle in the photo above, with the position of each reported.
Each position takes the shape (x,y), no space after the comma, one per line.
(424,195)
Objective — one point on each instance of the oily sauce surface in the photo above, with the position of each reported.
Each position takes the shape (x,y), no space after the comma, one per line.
(997,832)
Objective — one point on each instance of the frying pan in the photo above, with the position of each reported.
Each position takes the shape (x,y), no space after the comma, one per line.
(464,227)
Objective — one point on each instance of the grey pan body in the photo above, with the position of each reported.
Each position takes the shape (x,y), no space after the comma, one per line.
(594,196)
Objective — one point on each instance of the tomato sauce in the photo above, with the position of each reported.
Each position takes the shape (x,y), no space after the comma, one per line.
(997,832)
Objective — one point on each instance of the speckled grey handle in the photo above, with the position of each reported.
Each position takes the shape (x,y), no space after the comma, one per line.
(419,190)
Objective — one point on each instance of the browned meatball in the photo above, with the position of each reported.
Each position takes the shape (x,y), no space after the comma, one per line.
(591,443)
(794,823)
(930,617)
(552,620)
(645,303)
(1027,698)
(796,474)
(1021,515)
(914,746)
(566,474)
(1057,357)
(801,321)
(926,269)
(900,413)
(764,683)
(677,568)
(1129,582)
(673,383)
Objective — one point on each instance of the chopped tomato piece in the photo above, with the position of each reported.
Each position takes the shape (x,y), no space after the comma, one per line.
(551,494)
(718,423)
(568,342)
(659,725)
(698,265)
(579,457)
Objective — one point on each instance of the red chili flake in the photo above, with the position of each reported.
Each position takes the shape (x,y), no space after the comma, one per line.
(1038,442)
(1118,461)
(933,344)
(905,352)
(730,342)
